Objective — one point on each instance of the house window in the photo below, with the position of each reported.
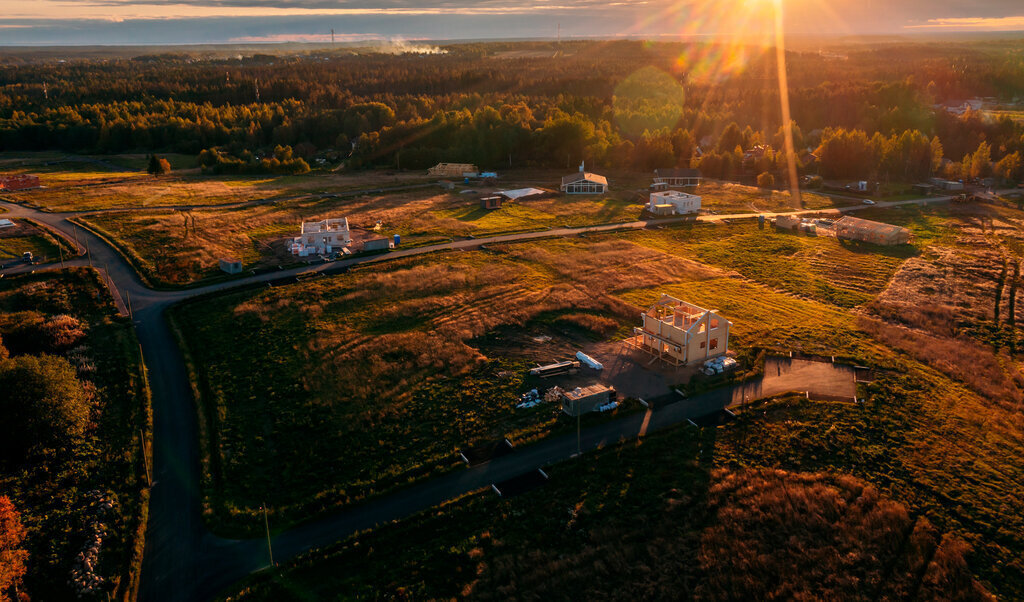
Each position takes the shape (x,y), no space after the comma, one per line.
(702,344)
(714,343)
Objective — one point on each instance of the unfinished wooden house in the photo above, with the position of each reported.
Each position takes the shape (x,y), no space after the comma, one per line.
(679,332)
(855,228)
(454,170)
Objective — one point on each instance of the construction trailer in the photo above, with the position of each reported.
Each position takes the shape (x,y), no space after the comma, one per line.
(582,400)
(855,228)
(453,170)
(678,332)
(378,244)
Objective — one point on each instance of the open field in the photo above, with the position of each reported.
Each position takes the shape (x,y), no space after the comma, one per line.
(94,187)
(25,237)
(381,357)
(654,520)
(62,492)
(172,254)
(837,272)
(730,197)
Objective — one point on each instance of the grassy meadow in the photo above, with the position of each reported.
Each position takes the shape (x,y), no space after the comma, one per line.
(178,248)
(61,492)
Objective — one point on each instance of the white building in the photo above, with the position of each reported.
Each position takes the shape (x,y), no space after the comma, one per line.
(584,182)
(319,238)
(672,202)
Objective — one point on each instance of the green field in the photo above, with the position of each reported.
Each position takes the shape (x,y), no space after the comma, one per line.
(59,491)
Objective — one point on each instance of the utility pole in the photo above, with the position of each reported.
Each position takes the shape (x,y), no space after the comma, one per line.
(88,254)
(266,525)
(77,244)
(60,250)
(128,297)
(332,36)
(145,457)
(579,445)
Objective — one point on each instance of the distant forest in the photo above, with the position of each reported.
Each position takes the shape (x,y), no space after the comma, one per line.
(622,104)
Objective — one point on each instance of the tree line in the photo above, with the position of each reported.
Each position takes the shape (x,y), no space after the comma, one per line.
(621,104)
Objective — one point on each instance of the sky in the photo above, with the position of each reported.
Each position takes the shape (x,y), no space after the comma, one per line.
(112,22)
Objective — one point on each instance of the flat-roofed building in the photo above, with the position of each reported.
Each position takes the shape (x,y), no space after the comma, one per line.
(672,202)
(679,332)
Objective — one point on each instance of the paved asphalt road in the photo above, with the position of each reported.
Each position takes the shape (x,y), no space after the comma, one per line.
(183,561)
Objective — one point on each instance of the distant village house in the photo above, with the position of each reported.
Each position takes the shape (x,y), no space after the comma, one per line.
(677,177)
(679,332)
(19,182)
(584,182)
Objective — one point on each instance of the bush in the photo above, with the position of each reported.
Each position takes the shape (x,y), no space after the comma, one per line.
(44,403)
(29,332)
(765,180)
(12,557)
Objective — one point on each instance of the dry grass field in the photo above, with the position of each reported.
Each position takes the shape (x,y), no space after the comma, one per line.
(172,254)
(389,358)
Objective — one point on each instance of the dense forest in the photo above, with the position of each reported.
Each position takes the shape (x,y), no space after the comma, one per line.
(629,104)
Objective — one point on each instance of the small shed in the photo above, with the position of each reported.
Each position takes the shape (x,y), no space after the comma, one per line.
(787,222)
(230,265)
(490,202)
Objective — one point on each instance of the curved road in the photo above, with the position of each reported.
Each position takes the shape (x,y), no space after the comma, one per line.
(183,561)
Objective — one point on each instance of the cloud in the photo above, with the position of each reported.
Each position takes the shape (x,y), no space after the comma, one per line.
(973,23)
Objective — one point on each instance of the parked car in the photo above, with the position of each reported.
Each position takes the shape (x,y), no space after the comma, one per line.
(868,202)
(27,256)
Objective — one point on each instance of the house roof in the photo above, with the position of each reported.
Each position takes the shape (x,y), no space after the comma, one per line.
(677,172)
(580,176)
